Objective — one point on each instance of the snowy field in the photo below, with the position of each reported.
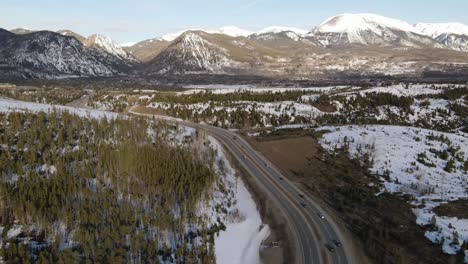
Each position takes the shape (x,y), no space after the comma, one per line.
(226,89)
(403,90)
(276,109)
(10,105)
(397,89)
(426,164)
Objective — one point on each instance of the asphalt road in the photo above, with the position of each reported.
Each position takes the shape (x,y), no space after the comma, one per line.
(308,230)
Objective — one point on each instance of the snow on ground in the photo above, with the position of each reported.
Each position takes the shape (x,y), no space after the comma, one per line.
(10,105)
(274,108)
(403,90)
(409,161)
(226,89)
(240,243)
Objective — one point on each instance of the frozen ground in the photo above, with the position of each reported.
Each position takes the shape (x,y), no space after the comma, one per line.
(414,161)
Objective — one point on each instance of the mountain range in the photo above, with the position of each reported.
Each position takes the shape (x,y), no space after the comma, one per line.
(350,44)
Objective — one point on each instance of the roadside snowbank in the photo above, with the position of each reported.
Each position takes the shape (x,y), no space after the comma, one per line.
(240,243)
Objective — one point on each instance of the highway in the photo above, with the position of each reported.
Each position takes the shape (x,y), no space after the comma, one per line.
(308,231)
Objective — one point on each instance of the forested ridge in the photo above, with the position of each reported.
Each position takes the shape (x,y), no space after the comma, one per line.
(106,191)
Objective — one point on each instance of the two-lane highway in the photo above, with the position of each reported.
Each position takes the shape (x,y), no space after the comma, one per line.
(309,231)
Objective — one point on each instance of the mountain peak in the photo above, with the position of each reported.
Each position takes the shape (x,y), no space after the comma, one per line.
(436,29)
(234,31)
(370,29)
(279,29)
(346,23)
(107,44)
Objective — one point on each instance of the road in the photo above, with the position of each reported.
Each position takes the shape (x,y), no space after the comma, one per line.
(309,232)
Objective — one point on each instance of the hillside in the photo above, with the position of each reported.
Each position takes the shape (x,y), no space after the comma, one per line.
(49,55)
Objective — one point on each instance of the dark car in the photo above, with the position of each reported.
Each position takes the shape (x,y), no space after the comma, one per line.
(303,204)
(281,178)
(330,247)
(301,195)
(337,243)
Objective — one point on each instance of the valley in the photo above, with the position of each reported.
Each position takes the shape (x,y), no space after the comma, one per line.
(245,132)
(299,127)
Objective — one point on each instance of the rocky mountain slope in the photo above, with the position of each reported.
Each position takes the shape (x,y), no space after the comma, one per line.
(370,29)
(453,35)
(198,51)
(348,44)
(108,46)
(287,39)
(50,55)
(454,41)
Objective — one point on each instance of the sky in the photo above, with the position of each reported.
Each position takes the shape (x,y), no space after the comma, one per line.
(135,20)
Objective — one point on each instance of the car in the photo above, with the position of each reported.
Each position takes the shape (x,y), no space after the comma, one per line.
(234,137)
(321,215)
(303,204)
(330,248)
(301,195)
(266,165)
(336,242)
(281,178)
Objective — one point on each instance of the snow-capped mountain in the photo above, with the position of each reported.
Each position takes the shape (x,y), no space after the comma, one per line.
(279,29)
(277,33)
(357,43)
(202,52)
(108,45)
(454,41)
(50,55)
(233,31)
(285,39)
(370,29)
(436,29)
(70,33)
(452,35)
(191,52)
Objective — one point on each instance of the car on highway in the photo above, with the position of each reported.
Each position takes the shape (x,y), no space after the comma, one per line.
(281,178)
(303,204)
(301,195)
(330,247)
(336,242)
(320,215)
(234,137)
(266,165)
